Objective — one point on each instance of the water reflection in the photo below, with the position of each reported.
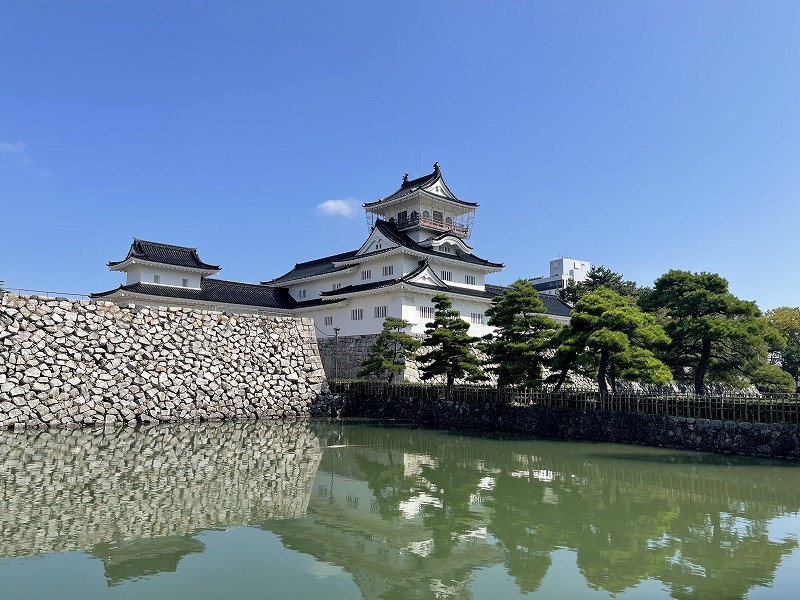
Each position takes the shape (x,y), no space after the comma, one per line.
(134,497)
(406,512)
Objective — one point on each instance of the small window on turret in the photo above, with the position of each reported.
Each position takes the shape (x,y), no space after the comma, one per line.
(156,278)
(185,283)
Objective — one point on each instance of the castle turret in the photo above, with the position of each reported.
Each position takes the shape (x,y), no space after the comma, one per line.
(424,207)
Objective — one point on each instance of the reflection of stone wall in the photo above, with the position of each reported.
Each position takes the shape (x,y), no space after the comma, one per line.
(72,489)
(66,362)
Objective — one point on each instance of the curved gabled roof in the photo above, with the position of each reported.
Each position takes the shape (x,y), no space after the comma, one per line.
(424,183)
(391,231)
(165,254)
(313,268)
(333,264)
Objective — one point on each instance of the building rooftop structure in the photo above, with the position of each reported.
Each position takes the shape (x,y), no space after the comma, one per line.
(142,251)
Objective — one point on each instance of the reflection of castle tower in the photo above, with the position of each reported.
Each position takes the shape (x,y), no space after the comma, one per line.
(373,513)
(130,559)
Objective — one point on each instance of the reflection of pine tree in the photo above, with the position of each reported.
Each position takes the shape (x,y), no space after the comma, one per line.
(721,554)
(517,513)
(696,523)
(387,483)
(453,482)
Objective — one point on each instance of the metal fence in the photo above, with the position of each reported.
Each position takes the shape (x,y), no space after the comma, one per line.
(44,293)
(764,408)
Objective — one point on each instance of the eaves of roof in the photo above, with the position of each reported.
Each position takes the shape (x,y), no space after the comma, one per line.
(313,268)
(215,291)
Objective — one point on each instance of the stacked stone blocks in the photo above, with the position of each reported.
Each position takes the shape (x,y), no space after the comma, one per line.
(79,362)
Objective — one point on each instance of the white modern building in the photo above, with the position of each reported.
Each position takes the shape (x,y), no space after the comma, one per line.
(562,270)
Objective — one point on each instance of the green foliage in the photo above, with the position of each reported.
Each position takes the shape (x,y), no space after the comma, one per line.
(609,336)
(451,348)
(714,334)
(787,321)
(600,277)
(523,335)
(388,355)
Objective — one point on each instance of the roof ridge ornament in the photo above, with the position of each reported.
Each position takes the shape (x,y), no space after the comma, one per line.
(436,167)
(405,178)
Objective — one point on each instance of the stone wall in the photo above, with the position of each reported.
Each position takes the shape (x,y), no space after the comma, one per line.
(73,489)
(351,352)
(353,349)
(707,435)
(68,362)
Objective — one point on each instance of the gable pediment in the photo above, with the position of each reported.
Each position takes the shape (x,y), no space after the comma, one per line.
(376,242)
(426,276)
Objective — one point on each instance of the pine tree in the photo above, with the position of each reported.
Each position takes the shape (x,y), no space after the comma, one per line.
(715,334)
(451,348)
(518,346)
(389,353)
(612,337)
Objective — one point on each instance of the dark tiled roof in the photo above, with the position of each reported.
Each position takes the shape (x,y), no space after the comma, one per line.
(218,291)
(390,231)
(409,186)
(323,266)
(552,304)
(179,256)
(555,306)
(320,266)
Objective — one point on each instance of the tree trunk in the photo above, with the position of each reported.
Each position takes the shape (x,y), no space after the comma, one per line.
(601,373)
(448,389)
(702,367)
(561,379)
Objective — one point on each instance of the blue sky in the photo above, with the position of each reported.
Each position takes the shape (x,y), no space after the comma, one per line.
(642,136)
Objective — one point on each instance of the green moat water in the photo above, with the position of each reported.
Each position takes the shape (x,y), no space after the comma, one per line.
(354,509)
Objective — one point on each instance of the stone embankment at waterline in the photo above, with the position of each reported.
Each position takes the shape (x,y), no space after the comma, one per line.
(78,362)
(779,440)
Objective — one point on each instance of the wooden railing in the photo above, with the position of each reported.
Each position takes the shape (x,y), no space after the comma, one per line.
(765,408)
(456,228)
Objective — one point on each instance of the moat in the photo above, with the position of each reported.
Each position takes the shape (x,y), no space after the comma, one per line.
(349,509)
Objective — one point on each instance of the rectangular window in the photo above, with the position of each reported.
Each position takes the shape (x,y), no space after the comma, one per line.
(447,276)
(388,270)
(156,278)
(357,314)
(476,318)
(336,286)
(328,320)
(437,216)
(470,279)
(366,274)
(380,312)
(301,294)
(185,283)
(426,312)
